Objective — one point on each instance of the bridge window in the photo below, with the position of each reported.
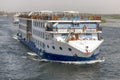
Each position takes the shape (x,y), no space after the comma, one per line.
(88,25)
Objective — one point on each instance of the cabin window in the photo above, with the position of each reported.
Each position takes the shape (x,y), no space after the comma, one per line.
(42,25)
(47,46)
(40,34)
(53,47)
(88,25)
(39,43)
(60,48)
(76,25)
(36,24)
(69,49)
(43,45)
(43,35)
(39,24)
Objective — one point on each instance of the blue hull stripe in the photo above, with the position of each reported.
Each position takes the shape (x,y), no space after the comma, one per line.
(31,46)
(55,57)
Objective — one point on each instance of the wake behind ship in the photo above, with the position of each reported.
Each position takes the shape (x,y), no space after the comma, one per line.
(61,36)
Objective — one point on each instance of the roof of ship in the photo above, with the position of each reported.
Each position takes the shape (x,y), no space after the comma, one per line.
(63,16)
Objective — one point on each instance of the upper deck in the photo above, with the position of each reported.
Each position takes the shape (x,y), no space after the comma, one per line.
(65,22)
(64,16)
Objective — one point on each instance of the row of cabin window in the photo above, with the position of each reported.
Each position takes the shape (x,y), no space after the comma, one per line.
(49,36)
(40,44)
(38,24)
(23,21)
(59,48)
(39,33)
(22,27)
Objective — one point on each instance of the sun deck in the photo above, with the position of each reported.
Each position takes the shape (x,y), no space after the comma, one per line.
(64,16)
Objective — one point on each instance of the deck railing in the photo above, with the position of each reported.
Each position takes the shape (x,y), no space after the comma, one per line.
(60,17)
(76,30)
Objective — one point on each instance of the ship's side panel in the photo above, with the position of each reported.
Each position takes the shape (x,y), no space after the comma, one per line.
(38,34)
(22,28)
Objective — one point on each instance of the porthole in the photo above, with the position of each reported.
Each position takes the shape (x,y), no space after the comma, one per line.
(60,48)
(69,49)
(47,46)
(53,47)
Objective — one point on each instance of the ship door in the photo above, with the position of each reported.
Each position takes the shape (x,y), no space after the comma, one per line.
(76,36)
(29,29)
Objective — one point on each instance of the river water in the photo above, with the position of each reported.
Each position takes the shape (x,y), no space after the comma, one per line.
(16,64)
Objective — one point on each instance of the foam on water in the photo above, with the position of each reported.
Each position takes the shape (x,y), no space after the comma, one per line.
(36,58)
(15,37)
(31,53)
(75,62)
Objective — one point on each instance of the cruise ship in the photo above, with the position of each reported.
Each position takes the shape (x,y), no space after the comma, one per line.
(67,37)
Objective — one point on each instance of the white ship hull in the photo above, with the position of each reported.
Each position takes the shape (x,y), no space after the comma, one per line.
(62,40)
(65,56)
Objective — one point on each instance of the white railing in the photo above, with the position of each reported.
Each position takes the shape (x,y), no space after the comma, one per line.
(62,30)
(78,30)
(90,30)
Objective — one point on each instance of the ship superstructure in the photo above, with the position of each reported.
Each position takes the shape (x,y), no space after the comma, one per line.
(61,36)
